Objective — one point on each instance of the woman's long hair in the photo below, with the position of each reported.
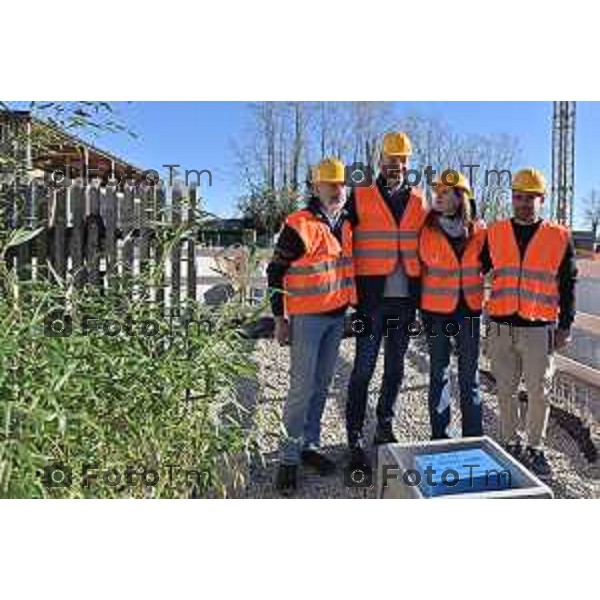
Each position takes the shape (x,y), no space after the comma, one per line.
(466,211)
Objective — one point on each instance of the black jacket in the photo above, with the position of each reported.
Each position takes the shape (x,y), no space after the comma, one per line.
(290,248)
(567,278)
(370,288)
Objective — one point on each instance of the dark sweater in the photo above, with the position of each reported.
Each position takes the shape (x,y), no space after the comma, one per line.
(567,278)
(370,288)
(290,248)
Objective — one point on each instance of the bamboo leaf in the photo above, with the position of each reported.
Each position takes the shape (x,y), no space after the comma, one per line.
(21,236)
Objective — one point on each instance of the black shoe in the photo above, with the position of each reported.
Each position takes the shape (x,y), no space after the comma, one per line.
(358,457)
(536,460)
(287,478)
(319,462)
(588,448)
(384,436)
(515,449)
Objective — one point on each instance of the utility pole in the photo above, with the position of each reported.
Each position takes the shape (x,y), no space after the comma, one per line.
(563,163)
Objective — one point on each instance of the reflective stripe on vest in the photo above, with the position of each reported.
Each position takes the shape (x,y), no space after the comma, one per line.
(527,287)
(444,276)
(320,267)
(332,286)
(368,253)
(444,272)
(527,273)
(452,291)
(550,299)
(323,278)
(385,235)
(379,241)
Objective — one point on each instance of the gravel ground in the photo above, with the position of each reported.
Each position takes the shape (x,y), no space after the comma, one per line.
(572,476)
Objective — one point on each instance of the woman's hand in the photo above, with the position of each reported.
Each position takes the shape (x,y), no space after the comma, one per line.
(561,338)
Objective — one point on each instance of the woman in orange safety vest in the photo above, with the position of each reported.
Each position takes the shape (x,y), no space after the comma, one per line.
(450,248)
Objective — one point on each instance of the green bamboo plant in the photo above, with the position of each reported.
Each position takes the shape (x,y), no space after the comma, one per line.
(99,402)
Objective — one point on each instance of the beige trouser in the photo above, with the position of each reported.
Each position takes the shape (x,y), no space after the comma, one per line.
(517,352)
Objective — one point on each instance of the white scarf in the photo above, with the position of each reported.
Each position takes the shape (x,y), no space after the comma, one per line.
(453,225)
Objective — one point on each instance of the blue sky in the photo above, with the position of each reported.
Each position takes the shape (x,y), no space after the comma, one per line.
(199,135)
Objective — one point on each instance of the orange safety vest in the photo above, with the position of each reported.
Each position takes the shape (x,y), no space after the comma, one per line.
(323,278)
(444,276)
(528,287)
(379,242)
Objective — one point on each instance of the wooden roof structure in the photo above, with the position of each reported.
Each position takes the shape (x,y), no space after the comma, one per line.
(62,148)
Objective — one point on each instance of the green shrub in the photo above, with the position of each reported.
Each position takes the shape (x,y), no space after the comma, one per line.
(125,402)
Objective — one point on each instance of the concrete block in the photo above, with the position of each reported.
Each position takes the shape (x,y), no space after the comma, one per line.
(458,468)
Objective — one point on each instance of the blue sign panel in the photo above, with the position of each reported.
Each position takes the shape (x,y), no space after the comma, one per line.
(460,472)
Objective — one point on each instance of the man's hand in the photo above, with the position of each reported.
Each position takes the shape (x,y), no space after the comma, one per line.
(282,331)
(561,338)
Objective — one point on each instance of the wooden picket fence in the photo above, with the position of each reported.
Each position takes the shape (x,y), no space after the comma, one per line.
(97,235)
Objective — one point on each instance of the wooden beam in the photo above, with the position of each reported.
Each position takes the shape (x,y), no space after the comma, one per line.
(583,373)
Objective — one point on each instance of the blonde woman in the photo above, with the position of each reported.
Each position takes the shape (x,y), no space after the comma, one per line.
(450,249)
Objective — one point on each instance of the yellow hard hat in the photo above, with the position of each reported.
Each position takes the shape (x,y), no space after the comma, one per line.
(329,170)
(530,181)
(396,143)
(452,178)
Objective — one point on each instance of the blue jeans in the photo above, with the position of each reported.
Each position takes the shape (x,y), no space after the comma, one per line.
(389,320)
(442,332)
(314,348)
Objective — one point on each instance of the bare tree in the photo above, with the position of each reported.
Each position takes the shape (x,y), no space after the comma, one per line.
(591,211)
(329,126)
(271,162)
(287,138)
(496,157)
(369,121)
(298,144)
(486,160)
